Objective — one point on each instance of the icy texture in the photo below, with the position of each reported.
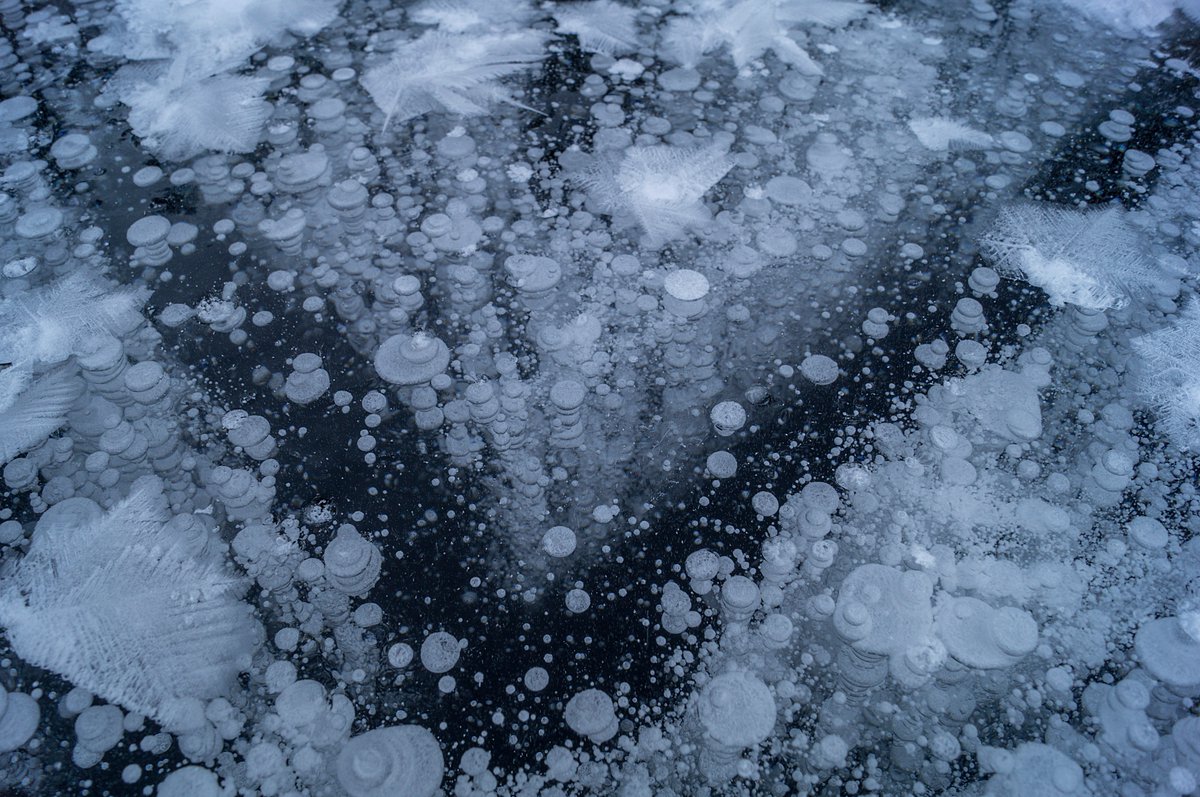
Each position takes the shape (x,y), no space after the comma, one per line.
(48,325)
(685,397)
(457,73)
(181,117)
(29,417)
(602,26)
(1088,259)
(117,604)
(660,187)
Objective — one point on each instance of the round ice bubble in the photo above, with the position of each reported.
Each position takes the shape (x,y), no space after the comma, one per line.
(727,417)
(301,703)
(591,713)
(897,606)
(979,635)
(190,781)
(402,759)
(765,503)
(400,655)
(440,652)
(559,542)
(1169,649)
(1148,533)
(737,709)
(578,601)
(722,464)
(474,761)
(536,679)
(352,563)
(19,721)
(819,369)
(702,565)
(99,728)
(411,359)
(686,285)
(788,190)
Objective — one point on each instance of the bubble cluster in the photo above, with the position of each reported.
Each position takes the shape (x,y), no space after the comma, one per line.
(585,398)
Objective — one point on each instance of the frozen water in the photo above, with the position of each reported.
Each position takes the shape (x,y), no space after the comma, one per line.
(686,397)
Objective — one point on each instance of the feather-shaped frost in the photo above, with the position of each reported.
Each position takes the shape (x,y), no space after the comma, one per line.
(118,605)
(460,16)
(686,40)
(218,34)
(662,187)
(37,412)
(50,324)
(602,26)
(942,135)
(179,118)
(13,380)
(457,73)
(1085,258)
(1170,365)
(749,28)
(826,13)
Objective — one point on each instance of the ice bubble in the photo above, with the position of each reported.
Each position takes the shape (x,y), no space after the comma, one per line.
(190,781)
(411,359)
(536,679)
(737,709)
(703,565)
(980,636)
(722,464)
(400,655)
(765,503)
(308,381)
(819,369)
(402,759)
(352,564)
(883,610)
(99,728)
(20,267)
(1169,652)
(19,721)
(474,761)
(559,542)
(301,702)
(787,189)
(727,417)
(1147,532)
(14,109)
(591,713)
(440,652)
(74,702)
(686,285)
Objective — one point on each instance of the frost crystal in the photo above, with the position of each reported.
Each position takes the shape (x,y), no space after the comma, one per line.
(216,34)
(50,325)
(945,134)
(661,186)
(601,25)
(1087,259)
(119,605)
(457,73)
(29,418)
(1171,382)
(748,29)
(459,16)
(180,118)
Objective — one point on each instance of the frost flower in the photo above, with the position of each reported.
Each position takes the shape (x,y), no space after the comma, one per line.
(456,73)
(662,187)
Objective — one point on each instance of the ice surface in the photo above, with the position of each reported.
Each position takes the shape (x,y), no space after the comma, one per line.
(686,397)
